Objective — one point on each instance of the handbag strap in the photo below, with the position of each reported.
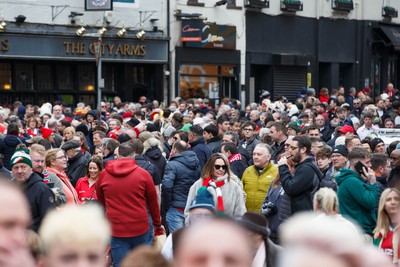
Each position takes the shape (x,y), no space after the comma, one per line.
(91,196)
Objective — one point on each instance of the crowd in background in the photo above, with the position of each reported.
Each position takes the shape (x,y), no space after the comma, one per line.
(226,184)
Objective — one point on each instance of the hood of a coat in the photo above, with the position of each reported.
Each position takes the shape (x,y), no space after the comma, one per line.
(187,158)
(345,174)
(121,167)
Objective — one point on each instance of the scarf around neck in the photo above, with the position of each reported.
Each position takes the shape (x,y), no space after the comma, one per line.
(216,184)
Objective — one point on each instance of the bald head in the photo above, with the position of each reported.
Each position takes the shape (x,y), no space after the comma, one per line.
(217,241)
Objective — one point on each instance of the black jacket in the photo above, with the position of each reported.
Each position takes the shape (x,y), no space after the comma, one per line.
(250,145)
(155,156)
(181,172)
(77,168)
(7,147)
(274,196)
(40,198)
(214,144)
(150,168)
(238,167)
(300,185)
(277,150)
(394,177)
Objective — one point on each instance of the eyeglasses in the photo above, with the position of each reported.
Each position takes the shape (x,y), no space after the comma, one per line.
(248,130)
(219,167)
(294,147)
(61,157)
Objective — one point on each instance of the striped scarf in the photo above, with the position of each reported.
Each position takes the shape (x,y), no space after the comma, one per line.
(216,184)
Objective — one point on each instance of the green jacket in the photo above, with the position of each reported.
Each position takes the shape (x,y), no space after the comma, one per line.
(256,185)
(357,199)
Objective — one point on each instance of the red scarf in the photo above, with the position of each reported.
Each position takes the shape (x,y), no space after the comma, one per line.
(235,157)
(217,186)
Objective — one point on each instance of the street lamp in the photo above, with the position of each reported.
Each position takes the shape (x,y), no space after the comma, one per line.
(97,52)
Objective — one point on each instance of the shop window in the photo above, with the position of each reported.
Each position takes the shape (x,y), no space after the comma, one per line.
(108,76)
(5,76)
(44,77)
(24,77)
(86,78)
(65,78)
(199,81)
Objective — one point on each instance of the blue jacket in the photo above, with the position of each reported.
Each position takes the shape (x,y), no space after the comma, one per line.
(181,172)
(202,151)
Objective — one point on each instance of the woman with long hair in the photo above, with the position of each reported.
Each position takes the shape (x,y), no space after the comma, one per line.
(56,163)
(86,186)
(216,177)
(68,133)
(386,238)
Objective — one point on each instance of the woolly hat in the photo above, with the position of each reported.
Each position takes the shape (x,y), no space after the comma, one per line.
(91,112)
(82,128)
(255,223)
(46,132)
(198,121)
(20,157)
(212,129)
(203,200)
(293,125)
(375,142)
(127,115)
(340,149)
(347,129)
(299,106)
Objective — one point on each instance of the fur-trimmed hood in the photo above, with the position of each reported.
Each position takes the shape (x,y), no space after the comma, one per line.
(151,144)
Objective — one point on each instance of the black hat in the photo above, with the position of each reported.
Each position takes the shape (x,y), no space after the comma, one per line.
(375,142)
(303,115)
(341,149)
(133,122)
(255,222)
(82,128)
(212,129)
(70,145)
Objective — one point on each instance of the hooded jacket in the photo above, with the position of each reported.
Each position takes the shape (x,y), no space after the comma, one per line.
(357,199)
(256,185)
(40,197)
(125,189)
(182,171)
(7,147)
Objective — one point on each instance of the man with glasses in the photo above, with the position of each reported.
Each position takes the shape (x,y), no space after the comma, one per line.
(357,108)
(305,180)
(249,141)
(394,176)
(339,161)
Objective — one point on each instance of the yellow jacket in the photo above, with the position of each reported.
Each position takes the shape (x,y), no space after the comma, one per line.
(256,185)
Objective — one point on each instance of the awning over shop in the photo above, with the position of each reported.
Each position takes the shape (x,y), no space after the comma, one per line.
(393,33)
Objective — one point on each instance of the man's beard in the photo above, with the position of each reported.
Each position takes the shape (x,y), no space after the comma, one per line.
(297,157)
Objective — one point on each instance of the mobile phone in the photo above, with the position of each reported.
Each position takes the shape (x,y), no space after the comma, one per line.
(359,167)
(99,123)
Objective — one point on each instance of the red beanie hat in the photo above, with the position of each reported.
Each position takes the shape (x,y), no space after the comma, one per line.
(46,132)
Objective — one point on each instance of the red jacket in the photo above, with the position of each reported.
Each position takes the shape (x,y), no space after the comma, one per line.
(124,189)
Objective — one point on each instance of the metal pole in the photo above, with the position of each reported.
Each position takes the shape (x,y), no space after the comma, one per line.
(99,79)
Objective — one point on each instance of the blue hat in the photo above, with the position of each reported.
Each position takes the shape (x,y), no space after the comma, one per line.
(204,200)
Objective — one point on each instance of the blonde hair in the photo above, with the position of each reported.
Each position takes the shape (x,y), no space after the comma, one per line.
(51,155)
(77,225)
(69,129)
(383,220)
(326,201)
(38,149)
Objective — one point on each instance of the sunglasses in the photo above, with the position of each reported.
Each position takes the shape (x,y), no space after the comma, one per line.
(219,167)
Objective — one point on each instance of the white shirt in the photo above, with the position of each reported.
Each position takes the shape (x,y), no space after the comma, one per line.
(364,132)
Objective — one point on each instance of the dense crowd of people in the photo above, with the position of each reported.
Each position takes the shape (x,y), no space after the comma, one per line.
(277,183)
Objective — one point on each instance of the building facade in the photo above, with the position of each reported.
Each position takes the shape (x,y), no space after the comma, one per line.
(51,55)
